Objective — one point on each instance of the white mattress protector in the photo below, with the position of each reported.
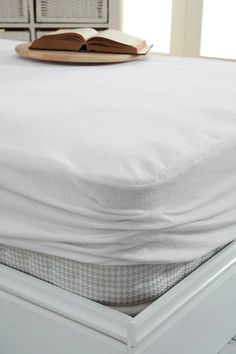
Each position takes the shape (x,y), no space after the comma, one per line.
(117,164)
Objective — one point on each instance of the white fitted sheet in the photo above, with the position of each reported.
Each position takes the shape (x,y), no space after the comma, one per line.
(121,164)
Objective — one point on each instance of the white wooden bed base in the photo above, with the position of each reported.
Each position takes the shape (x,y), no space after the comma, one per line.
(197,316)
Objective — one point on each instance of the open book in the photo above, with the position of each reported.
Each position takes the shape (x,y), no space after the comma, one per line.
(88,39)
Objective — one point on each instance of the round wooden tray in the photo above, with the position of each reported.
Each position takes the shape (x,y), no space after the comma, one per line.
(73,57)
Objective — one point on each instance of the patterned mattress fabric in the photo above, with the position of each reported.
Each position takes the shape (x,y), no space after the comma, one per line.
(116,286)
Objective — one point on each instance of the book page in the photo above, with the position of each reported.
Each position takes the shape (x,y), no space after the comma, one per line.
(120,37)
(86,33)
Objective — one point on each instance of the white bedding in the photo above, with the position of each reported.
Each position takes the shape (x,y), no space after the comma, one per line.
(117,164)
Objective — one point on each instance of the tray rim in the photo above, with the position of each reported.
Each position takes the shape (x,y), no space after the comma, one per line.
(73,57)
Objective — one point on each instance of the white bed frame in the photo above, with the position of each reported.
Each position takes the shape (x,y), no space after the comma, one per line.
(197,316)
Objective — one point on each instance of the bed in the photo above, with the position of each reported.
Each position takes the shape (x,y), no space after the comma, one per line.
(118,205)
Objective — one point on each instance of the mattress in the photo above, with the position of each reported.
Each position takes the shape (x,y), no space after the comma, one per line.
(128,288)
(124,164)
